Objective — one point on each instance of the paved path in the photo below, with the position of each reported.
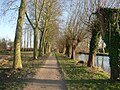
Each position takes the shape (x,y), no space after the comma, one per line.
(48,77)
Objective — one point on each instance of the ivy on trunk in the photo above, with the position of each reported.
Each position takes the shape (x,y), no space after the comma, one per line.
(110,20)
(93,44)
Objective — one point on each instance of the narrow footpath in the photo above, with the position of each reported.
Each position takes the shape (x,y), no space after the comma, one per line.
(48,77)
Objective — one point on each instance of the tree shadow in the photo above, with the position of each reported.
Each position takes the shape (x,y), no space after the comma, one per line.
(99,84)
(47,82)
(93,81)
(43,81)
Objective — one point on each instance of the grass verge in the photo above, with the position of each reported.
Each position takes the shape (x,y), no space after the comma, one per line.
(16,79)
(78,77)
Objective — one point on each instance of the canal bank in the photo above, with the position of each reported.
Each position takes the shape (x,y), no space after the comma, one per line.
(101,60)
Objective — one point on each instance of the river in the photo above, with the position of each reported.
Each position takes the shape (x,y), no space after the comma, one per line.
(100,61)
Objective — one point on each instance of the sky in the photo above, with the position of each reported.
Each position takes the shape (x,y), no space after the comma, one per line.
(7,27)
(8,21)
(7,30)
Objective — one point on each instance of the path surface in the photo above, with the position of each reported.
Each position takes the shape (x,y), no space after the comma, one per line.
(48,77)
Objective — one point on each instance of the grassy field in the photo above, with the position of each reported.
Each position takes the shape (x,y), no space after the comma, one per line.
(16,79)
(78,77)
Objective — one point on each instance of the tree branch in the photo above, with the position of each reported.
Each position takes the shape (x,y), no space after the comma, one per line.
(29,20)
(41,10)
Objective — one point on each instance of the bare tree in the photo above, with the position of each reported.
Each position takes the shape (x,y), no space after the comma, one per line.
(50,25)
(76,30)
(35,25)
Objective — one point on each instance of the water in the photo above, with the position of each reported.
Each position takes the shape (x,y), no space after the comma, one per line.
(100,61)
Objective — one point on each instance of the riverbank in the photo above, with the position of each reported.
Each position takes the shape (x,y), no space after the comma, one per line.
(99,54)
(80,77)
(100,61)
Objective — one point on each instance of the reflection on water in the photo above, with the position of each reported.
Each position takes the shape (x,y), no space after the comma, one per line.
(100,61)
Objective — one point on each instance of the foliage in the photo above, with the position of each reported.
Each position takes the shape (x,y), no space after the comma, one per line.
(95,38)
(94,42)
(111,27)
(79,77)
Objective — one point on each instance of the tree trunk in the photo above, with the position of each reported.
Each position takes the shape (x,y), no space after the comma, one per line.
(43,39)
(35,52)
(64,50)
(114,53)
(24,40)
(110,23)
(73,52)
(17,64)
(45,48)
(35,43)
(30,39)
(67,53)
(41,45)
(49,47)
(91,59)
(93,46)
(103,47)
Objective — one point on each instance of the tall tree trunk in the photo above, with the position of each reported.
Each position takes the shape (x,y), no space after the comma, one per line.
(43,39)
(17,64)
(36,26)
(35,44)
(30,39)
(114,53)
(93,46)
(24,40)
(40,45)
(110,23)
(35,52)
(45,47)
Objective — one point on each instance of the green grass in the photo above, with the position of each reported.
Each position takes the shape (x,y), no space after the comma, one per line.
(6,52)
(78,77)
(16,79)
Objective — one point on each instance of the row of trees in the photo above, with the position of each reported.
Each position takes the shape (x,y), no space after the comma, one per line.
(75,30)
(90,19)
(37,18)
(84,21)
